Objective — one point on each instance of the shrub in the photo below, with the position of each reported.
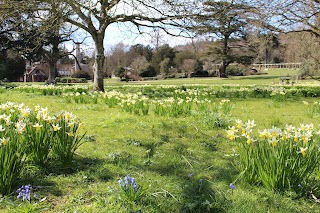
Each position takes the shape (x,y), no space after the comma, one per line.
(235,70)
(71,80)
(81,74)
(149,71)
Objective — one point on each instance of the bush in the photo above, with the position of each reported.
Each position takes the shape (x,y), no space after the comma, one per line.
(71,80)
(235,70)
(149,71)
(200,74)
(81,74)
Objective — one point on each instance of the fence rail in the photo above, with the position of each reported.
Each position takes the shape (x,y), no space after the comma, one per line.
(266,66)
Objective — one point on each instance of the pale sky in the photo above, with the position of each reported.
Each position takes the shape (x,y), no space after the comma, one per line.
(116,34)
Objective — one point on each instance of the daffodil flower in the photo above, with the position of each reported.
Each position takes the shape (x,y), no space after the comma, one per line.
(56,127)
(71,125)
(70,134)
(37,126)
(4,141)
(274,141)
(303,151)
(2,129)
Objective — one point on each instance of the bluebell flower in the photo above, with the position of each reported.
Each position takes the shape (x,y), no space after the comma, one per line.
(128,182)
(232,186)
(200,182)
(300,186)
(24,192)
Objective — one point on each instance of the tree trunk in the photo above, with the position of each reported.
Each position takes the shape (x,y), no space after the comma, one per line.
(52,73)
(222,69)
(224,63)
(98,73)
(52,59)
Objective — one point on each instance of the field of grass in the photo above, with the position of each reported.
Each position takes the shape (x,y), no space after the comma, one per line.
(269,76)
(184,163)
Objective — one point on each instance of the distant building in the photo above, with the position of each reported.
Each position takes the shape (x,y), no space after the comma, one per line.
(39,71)
(34,73)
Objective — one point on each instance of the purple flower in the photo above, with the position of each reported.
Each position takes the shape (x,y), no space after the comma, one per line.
(128,182)
(24,192)
(190,175)
(300,186)
(232,186)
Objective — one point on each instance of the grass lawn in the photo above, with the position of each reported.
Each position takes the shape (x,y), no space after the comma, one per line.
(184,163)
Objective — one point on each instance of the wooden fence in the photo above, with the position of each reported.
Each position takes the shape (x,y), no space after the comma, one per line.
(265,66)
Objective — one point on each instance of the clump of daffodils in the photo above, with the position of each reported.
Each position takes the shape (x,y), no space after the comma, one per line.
(278,158)
(300,135)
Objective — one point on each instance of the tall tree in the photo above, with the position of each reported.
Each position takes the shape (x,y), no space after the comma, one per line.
(94,17)
(35,29)
(225,20)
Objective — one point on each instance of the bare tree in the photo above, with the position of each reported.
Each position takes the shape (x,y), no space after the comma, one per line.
(94,17)
(291,15)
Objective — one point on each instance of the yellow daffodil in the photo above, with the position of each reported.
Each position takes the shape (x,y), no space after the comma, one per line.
(231,133)
(264,134)
(56,127)
(25,112)
(303,151)
(239,123)
(4,141)
(249,139)
(70,134)
(274,141)
(71,125)
(275,131)
(50,119)
(37,126)
(2,129)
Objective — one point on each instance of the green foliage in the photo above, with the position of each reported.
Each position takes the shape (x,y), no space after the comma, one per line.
(67,141)
(12,157)
(200,197)
(165,66)
(71,80)
(119,71)
(40,136)
(12,66)
(309,68)
(235,70)
(160,55)
(148,71)
(82,74)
